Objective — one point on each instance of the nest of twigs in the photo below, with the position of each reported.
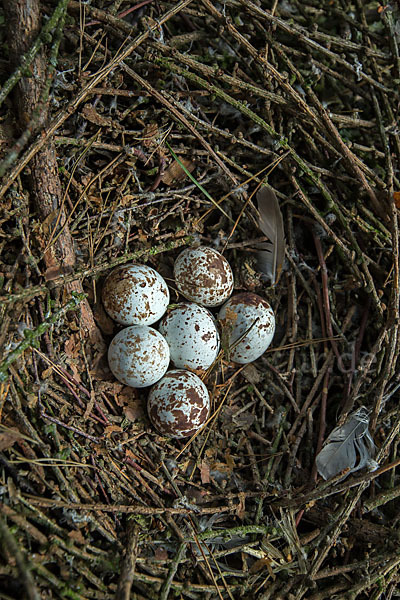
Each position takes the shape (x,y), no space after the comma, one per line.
(106,109)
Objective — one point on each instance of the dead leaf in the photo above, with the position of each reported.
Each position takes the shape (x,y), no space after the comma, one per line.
(127,395)
(134,411)
(205,472)
(161,554)
(396,197)
(150,133)
(103,320)
(90,405)
(72,346)
(231,421)
(8,438)
(46,373)
(54,272)
(76,536)
(174,173)
(112,429)
(221,467)
(241,507)
(76,369)
(211,452)
(47,224)
(252,374)
(127,200)
(89,113)
(229,460)
(260,565)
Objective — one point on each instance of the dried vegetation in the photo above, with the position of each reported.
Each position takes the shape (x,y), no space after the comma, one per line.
(94,503)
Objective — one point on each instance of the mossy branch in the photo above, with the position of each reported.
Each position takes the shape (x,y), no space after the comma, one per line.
(32,335)
(27,59)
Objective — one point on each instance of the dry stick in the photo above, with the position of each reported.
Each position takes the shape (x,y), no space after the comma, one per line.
(164,99)
(372,578)
(168,101)
(44,415)
(300,35)
(361,564)
(101,15)
(21,520)
(117,160)
(143,254)
(27,58)
(130,508)
(386,18)
(322,420)
(342,248)
(294,446)
(24,570)
(32,335)
(325,119)
(38,115)
(323,114)
(381,499)
(44,180)
(127,574)
(385,143)
(394,314)
(186,586)
(166,587)
(364,373)
(259,58)
(64,114)
(391,436)
(326,302)
(283,143)
(310,396)
(213,73)
(331,533)
(319,138)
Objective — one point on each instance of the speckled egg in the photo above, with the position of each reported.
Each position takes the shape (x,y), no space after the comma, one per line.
(192,336)
(179,404)
(204,276)
(248,312)
(138,356)
(135,295)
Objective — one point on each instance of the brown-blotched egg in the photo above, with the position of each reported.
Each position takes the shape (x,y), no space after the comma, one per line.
(179,404)
(135,295)
(192,336)
(138,356)
(203,275)
(248,312)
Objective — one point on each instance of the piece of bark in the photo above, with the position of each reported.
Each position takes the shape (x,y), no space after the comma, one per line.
(23,19)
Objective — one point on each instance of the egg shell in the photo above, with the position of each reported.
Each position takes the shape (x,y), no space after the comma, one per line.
(248,312)
(203,275)
(192,336)
(179,404)
(138,356)
(135,295)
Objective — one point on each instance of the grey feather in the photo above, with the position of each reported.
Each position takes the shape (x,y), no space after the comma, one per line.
(270,258)
(347,447)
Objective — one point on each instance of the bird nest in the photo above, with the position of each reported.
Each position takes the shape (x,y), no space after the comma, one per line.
(128,132)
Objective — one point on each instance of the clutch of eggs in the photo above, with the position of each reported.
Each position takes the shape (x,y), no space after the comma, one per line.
(137,296)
